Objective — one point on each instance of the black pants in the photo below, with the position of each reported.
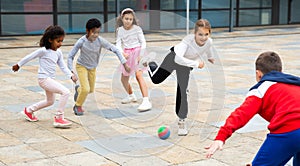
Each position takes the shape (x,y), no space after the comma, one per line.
(183,73)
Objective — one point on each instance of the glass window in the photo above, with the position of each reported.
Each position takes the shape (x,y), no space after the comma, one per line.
(255,3)
(23,24)
(26,5)
(177,4)
(255,17)
(75,23)
(295,12)
(218,18)
(215,4)
(79,6)
(283,13)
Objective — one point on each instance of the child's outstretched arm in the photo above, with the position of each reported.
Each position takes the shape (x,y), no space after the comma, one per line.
(27,58)
(107,45)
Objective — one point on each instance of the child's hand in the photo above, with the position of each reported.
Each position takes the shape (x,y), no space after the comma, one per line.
(74,78)
(201,65)
(212,148)
(211,60)
(126,67)
(15,67)
(126,56)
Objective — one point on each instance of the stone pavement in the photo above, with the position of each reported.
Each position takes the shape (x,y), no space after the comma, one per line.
(112,134)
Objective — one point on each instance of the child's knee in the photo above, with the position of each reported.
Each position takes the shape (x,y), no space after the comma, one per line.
(85,90)
(50,102)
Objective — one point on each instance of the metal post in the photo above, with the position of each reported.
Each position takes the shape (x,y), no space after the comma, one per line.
(187,16)
(231,16)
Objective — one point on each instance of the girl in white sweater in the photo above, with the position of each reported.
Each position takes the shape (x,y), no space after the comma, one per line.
(49,56)
(131,36)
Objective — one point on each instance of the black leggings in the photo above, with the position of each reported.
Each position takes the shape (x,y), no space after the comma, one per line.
(183,73)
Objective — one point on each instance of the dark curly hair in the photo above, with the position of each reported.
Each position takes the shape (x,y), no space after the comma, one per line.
(52,32)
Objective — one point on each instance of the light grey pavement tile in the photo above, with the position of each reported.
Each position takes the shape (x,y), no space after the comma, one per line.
(39,162)
(19,153)
(123,143)
(206,162)
(84,158)
(257,123)
(57,148)
(8,140)
(131,159)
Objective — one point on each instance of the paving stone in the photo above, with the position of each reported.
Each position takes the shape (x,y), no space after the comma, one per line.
(19,153)
(123,143)
(8,140)
(84,158)
(38,162)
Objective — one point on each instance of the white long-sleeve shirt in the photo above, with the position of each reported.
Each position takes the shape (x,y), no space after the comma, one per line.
(189,53)
(48,59)
(131,38)
(90,52)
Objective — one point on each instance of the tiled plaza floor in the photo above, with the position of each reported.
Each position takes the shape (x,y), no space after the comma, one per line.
(112,134)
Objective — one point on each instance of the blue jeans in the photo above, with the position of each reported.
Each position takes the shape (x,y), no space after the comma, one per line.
(278,149)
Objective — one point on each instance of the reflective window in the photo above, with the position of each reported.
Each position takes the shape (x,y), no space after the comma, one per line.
(80,6)
(255,3)
(255,17)
(24,24)
(177,4)
(215,4)
(26,5)
(75,23)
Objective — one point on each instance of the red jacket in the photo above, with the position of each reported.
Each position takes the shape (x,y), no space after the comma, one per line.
(276,98)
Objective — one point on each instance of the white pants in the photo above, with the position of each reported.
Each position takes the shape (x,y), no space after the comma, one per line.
(51,87)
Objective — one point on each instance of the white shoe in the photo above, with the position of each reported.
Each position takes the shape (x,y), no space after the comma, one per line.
(145,106)
(182,129)
(129,99)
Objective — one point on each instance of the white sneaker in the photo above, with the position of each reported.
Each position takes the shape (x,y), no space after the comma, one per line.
(182,129)
(129,99)
(145,106)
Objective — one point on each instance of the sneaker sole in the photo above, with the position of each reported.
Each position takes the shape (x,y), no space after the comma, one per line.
(78,114)
(133,101)
(144,110)
(28,119)
(63,126)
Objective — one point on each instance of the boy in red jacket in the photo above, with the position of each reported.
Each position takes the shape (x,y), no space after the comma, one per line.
(276,98)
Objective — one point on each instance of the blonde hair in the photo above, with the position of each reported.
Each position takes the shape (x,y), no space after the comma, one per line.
(119,21)
(202,23)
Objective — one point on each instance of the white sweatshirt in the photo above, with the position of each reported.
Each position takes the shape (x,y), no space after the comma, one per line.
(189,53)
(131,38)
(48,60)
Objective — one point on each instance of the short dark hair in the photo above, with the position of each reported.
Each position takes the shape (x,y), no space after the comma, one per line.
(268,61)
(93,23)
(52,32)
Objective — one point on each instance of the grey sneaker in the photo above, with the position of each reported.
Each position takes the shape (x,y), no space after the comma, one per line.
(182,129)
(152,68)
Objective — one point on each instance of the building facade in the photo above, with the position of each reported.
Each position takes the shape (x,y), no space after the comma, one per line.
(26,17)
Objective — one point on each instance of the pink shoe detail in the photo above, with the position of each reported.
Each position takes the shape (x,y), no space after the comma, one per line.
(61,123)
(29,116)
